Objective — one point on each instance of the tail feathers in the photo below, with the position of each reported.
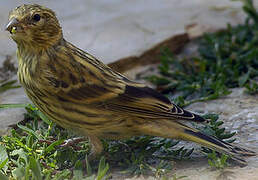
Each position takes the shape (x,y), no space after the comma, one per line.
(177,130)
(216,144)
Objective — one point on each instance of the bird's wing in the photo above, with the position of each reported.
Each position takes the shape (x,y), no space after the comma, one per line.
(92,82)
(143,101)
(128,98)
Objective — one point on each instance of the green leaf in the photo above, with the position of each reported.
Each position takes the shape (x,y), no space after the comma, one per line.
(8,85)
(21,154)
(4,106)
(243,79)
(65,174)
(53,145)
(3,177)
(3,158)
(29,131)
(78,173)
(103,168)
(44,118)
(252,88)
(88,167)
(3,163)
(19,172)
(35,167)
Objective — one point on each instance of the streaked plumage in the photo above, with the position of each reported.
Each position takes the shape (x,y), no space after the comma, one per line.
(79,92)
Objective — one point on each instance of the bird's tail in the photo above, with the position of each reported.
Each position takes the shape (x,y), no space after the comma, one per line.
(177,130)
(234,152)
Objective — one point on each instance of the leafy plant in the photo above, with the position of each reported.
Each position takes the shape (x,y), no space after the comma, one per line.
(217,162)
(252,87)
(213,128)
(35,150)
(6,85)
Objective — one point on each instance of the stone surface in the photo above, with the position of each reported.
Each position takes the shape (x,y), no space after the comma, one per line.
(114,29)
(239,112)
(13,115)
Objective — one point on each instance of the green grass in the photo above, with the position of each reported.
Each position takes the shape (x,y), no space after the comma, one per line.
(34,148)
(216,162)
(227,59)
(6,85)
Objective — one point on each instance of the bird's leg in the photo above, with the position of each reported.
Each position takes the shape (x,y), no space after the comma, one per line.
(96,147)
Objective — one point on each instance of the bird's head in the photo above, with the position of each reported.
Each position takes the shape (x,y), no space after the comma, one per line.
(34,26)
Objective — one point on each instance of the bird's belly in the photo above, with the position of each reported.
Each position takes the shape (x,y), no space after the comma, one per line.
(81,118)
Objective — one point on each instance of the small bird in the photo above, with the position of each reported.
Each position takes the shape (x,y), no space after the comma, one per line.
(80,93)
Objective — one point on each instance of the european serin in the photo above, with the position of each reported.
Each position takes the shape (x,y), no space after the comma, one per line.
(79,92)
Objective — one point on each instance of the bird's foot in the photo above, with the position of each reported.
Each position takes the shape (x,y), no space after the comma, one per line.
(73,142)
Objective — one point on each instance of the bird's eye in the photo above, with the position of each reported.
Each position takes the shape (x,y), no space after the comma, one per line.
(36,17)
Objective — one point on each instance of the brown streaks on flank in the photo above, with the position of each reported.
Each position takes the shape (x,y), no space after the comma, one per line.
(73,79)
(53,81)
(91,73)
(84,113)
(74,64)
(87,91)
(60,98)
(82,80)
(64,84)
(61,74)
(52,67)
(54,59)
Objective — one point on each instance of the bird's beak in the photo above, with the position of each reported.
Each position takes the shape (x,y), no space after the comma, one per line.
(11,25)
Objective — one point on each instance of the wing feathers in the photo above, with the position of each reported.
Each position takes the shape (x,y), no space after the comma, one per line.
(146,102)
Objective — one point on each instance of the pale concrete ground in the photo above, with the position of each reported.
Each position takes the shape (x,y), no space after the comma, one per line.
(119,28)
(114,29)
